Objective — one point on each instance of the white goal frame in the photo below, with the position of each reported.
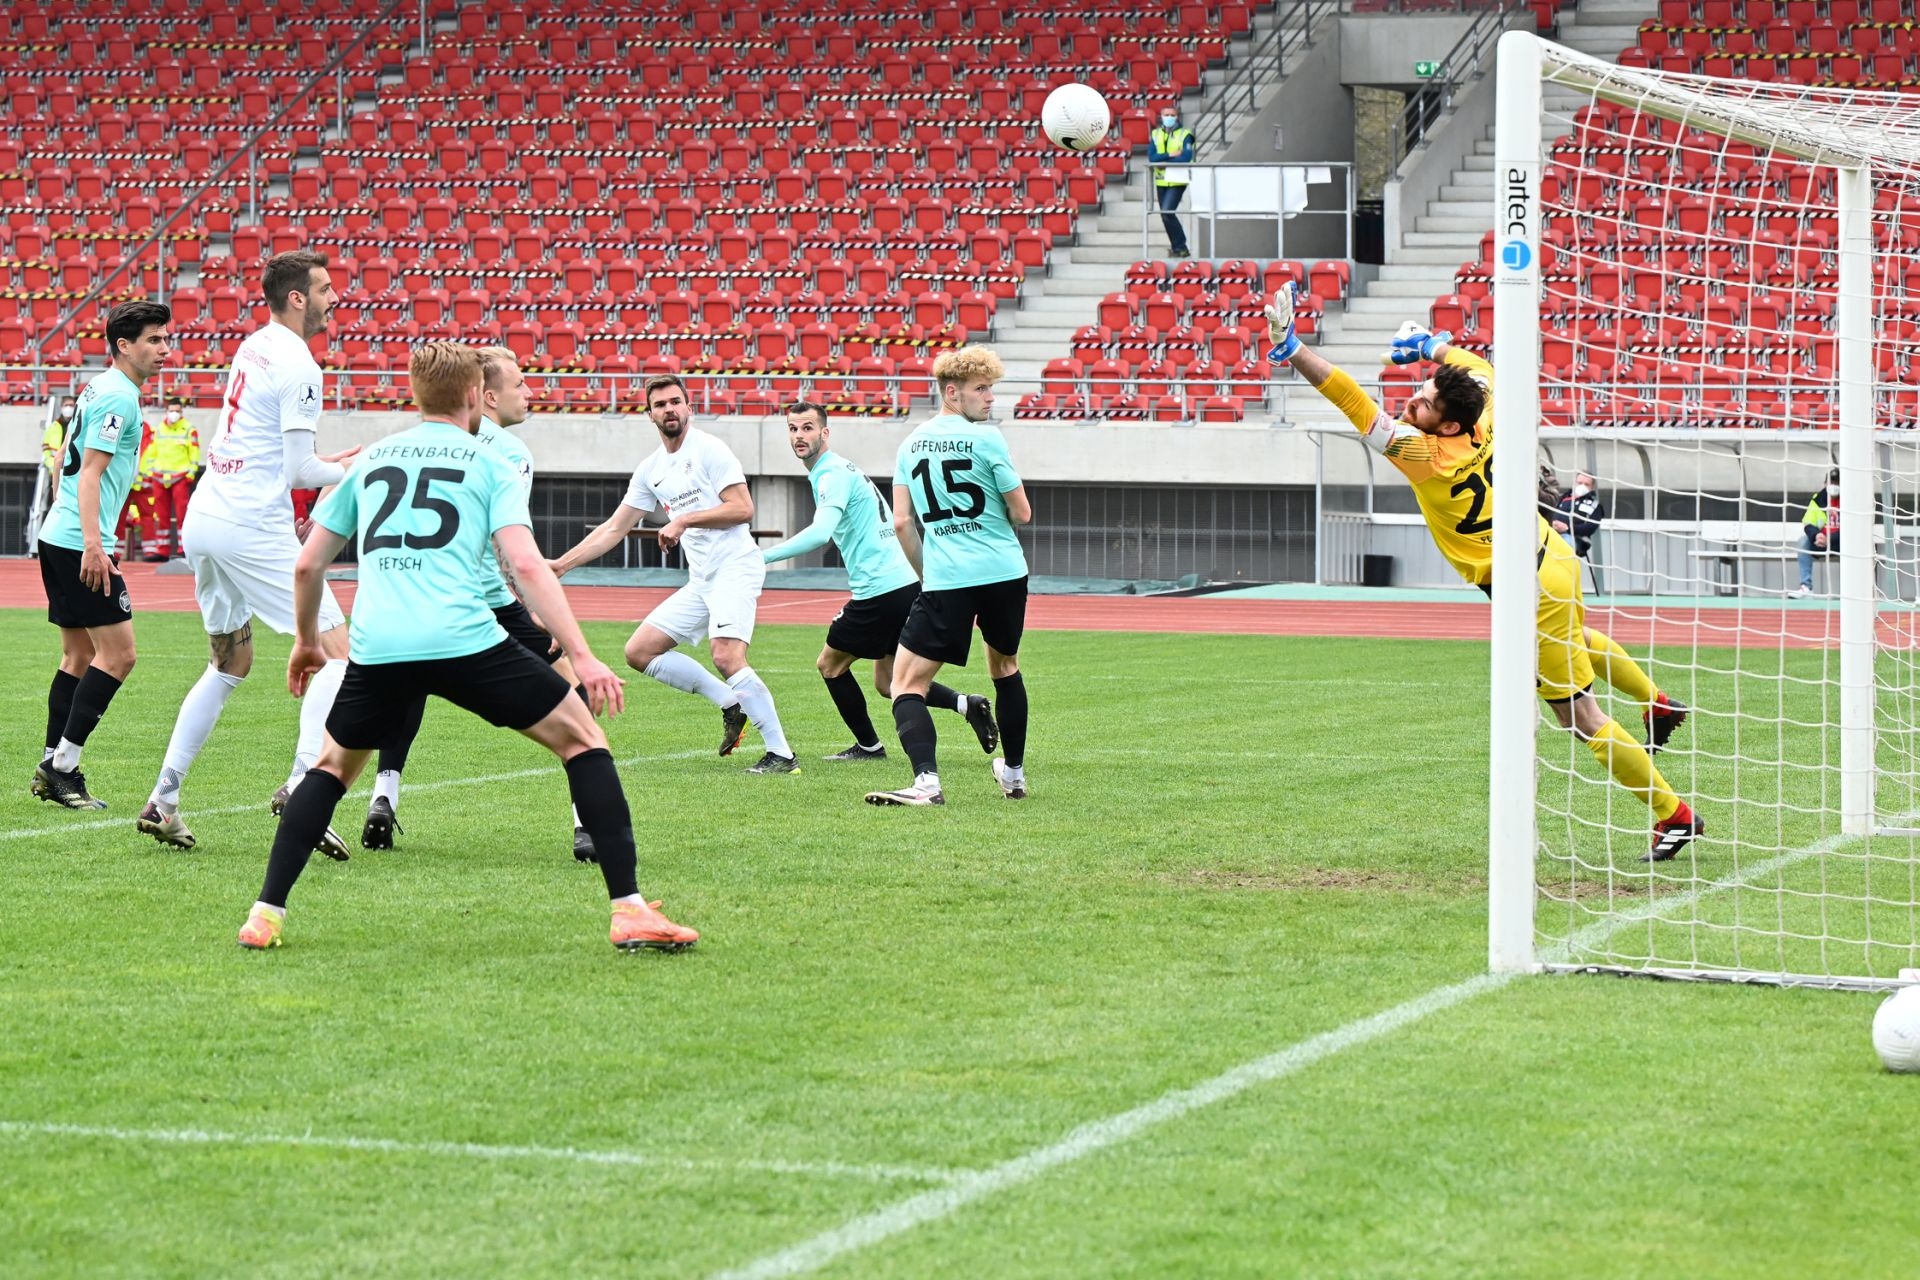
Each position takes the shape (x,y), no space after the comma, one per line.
(1525,64)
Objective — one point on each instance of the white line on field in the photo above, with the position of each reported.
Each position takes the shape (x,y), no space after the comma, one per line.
(413,788)
(1096,1136)
(477,1151)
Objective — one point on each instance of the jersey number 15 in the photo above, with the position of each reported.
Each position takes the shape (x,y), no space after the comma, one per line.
(972,499)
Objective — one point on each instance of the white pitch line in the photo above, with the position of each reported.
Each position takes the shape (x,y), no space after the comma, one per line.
(1089,1139)
(413,788)
(477,1151)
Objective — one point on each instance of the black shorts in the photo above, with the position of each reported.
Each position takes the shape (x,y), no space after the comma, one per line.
(941,623)
(871,628)
(506,686)
(522,628)
(70,602)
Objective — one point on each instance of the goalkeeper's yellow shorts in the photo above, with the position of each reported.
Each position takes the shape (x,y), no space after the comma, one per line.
(1560,620)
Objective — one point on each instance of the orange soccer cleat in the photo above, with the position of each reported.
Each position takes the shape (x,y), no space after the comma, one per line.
(262,929)
(640,926)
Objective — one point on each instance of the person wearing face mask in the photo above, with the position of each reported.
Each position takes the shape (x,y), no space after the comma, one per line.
(1442,442)
(1581,512)
(1171,145)
(1819,530)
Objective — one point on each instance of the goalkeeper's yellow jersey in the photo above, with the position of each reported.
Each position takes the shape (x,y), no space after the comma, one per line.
(1452,476)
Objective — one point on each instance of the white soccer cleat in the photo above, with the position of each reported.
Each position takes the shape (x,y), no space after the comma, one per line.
(1012,785)
(917,796)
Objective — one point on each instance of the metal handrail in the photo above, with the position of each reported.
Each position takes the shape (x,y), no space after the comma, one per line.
(249,149)
(1263,65)
(1151,213)
(1462,65)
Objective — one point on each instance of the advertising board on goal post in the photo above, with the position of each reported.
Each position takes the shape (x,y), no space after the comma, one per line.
(1700,287)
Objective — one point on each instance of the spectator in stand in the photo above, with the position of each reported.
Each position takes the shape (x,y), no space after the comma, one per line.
(1171,145)
(55,439)
(1580,512)
(136,517)
(1819,530)
(169,463)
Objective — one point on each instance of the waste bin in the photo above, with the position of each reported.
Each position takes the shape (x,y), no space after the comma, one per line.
(1376,571)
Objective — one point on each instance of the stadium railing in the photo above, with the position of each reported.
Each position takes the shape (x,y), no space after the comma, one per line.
(1242,203)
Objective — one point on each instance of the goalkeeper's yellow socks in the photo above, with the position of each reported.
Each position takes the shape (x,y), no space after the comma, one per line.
(1633,769)
(1617,669)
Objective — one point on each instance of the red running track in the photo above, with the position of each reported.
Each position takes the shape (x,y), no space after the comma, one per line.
(1181,615)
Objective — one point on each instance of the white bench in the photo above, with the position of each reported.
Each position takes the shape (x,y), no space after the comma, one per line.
(1728,544)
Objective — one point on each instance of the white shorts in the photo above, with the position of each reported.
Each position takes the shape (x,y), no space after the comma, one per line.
(721,607)
(241,573)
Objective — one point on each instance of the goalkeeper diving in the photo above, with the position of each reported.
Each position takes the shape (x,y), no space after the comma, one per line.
(1442,442)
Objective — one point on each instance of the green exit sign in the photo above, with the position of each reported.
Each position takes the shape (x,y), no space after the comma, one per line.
(1426,70)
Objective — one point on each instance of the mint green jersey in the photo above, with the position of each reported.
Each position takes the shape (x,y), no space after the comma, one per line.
(520,458)
(106,420)
(956,471)
(424,504)
(848,511)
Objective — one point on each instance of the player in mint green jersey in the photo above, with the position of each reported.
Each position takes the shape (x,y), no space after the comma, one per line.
(849,513)
(423,505)
(954,473)
(86,596)
(506,401)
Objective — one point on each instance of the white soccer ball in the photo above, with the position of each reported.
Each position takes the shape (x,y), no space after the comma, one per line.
(1896,1030)
(1076,117)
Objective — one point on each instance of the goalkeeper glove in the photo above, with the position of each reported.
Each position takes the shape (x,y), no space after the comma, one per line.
(1280,326)
(1413,342)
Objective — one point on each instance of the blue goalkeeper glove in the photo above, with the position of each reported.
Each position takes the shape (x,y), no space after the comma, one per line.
(1413,342)
(1280,326)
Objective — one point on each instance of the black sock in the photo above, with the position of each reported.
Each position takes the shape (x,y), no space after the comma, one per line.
(60,705)
(603,812)
(91,698)
(1010,698)
(393,756)
(914,723)
(851,701)
(939,695)
(309,810)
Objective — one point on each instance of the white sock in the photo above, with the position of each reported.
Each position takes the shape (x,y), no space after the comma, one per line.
(46,755)
(313,717)
(1018,772)
(199,712)
(577,824)
(278,913)
(66,756)
(757,701)
(386,786)
(926,782)
(678,671)
(632,899)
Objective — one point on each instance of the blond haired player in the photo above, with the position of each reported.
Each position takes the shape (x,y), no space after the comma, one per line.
(1442,442)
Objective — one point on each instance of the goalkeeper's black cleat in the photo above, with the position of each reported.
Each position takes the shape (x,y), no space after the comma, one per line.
(380,825)
(980,716)
(583,850)
(733,725)
(858,752)
(1661,719)
(1675,834)
(68,789)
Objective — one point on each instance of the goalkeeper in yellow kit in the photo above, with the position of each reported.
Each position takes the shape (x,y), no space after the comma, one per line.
(1442,442)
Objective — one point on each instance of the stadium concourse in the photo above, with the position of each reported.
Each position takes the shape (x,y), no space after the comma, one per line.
(1302,611)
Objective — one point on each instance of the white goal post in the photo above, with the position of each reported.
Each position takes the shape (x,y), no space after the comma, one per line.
(1711,275)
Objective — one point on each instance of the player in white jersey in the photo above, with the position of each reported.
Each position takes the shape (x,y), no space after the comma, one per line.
(239,537)
(698,482)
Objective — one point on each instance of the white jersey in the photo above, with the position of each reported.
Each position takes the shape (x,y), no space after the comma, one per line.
(688,480)
(274,387)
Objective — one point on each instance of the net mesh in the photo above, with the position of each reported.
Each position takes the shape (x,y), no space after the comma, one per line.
(1690,357)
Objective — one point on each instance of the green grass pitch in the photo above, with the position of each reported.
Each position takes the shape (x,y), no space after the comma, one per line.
(1234,845)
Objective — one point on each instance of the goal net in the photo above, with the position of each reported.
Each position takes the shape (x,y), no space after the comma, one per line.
(1705,293)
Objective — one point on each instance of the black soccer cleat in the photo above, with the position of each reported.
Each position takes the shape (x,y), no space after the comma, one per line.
(38,787)
(771,763)
(1675,834)
(378,831)
(1661,720)
(858,752)
(980,716)
(733,725)
(66,789)
(330,842)
(583,850)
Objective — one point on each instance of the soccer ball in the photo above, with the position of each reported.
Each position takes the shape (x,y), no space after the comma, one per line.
(1896,1030)
(1076,117)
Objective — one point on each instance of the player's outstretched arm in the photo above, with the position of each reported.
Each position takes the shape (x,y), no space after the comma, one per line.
(604,538)
(309,577)
(541,590)
(812,538)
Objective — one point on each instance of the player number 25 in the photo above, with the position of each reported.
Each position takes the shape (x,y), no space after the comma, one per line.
(951,472)
(396,481)
(1476,484)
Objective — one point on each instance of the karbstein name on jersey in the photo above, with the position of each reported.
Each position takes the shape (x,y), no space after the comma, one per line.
(964,526)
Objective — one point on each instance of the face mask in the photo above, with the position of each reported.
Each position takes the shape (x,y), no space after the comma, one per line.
(1581,490)
(1167,122)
